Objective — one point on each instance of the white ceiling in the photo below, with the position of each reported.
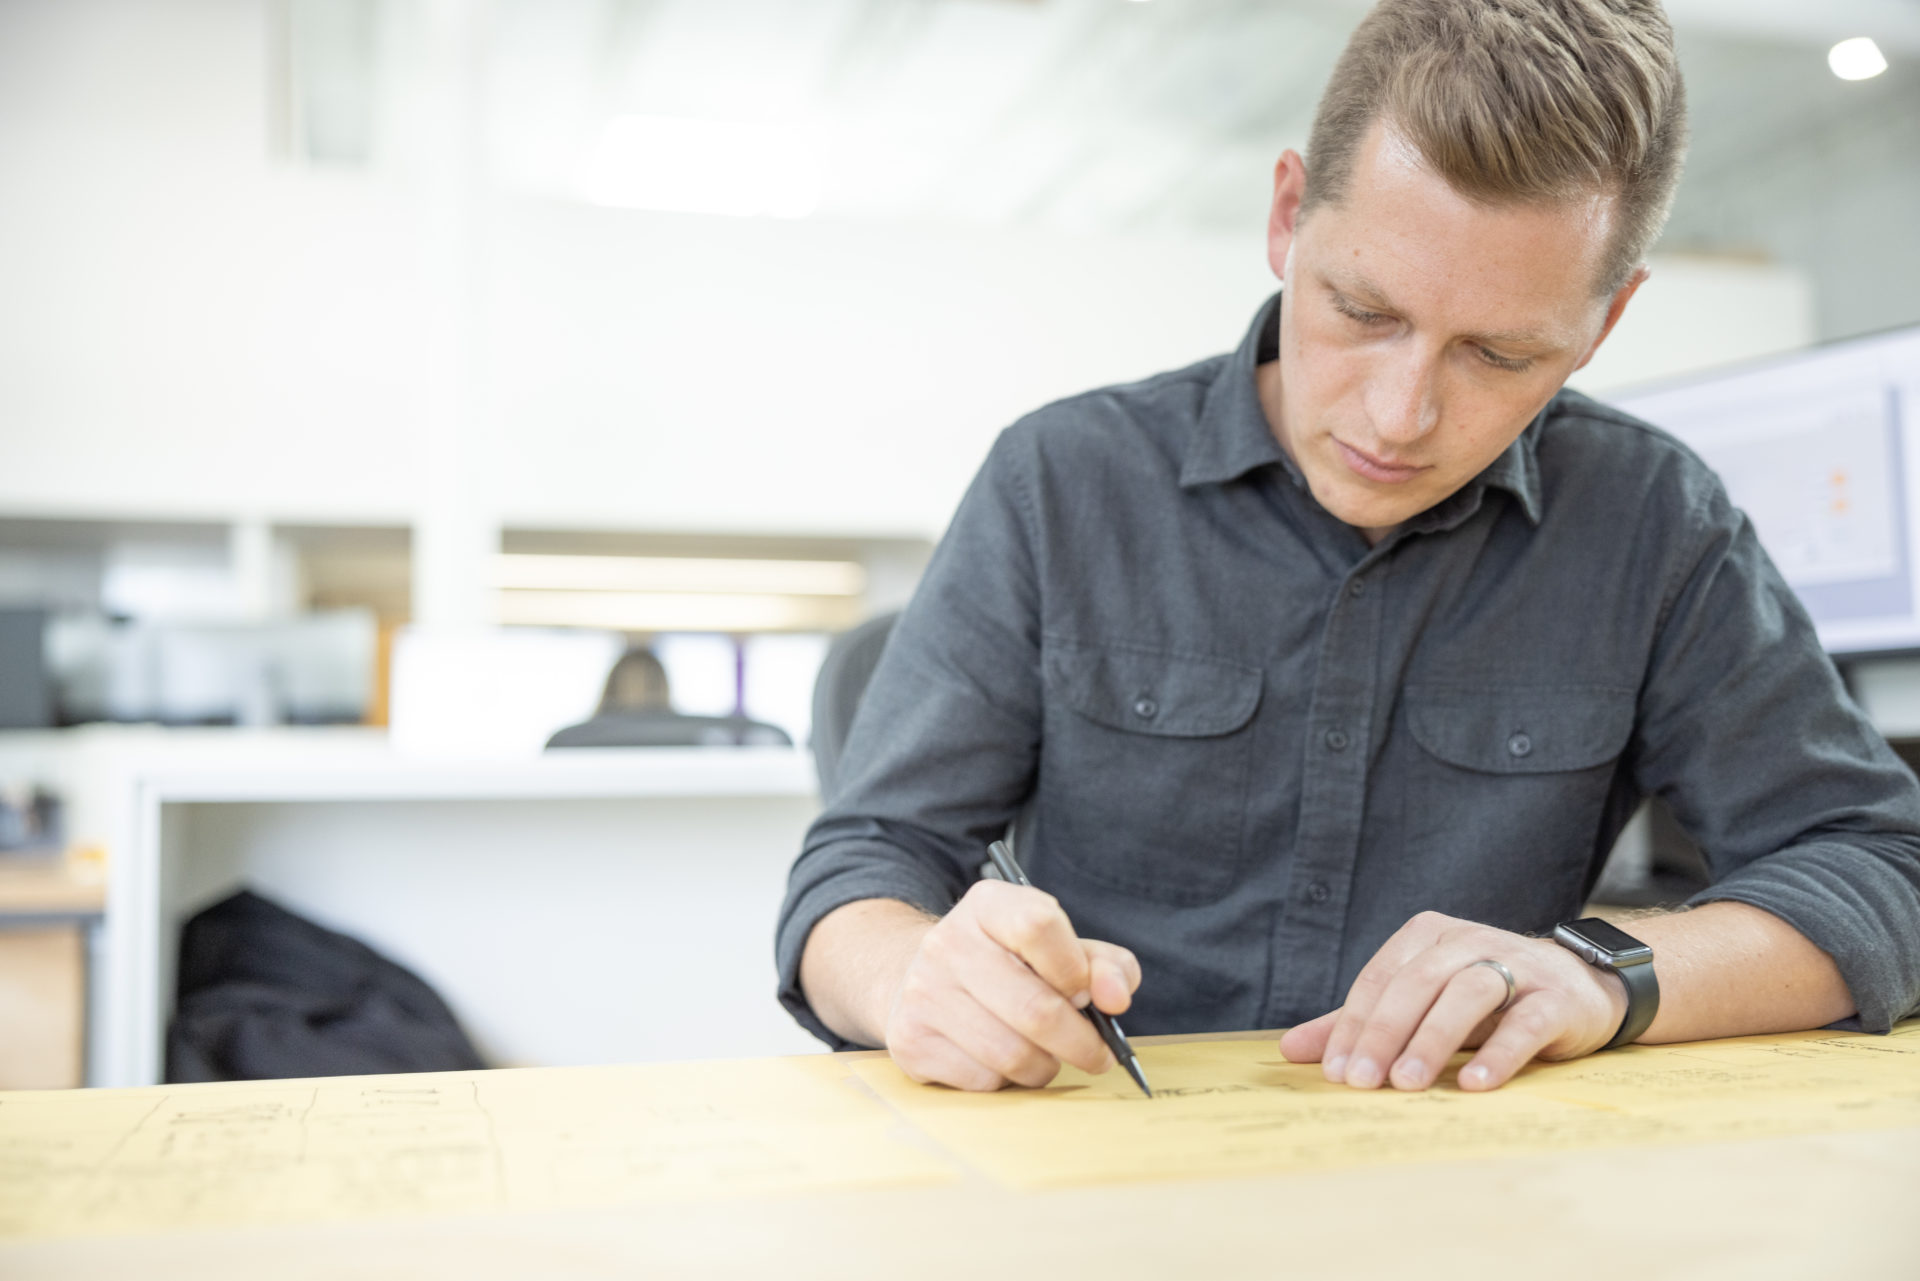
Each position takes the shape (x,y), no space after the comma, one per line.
(1162,117)
(1893,24)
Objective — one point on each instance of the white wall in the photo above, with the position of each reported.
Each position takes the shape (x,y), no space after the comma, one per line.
(1697,313)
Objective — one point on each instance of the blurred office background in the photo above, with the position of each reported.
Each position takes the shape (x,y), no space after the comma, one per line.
(373,373)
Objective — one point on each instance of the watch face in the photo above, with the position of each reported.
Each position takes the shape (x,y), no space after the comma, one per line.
(1621,947)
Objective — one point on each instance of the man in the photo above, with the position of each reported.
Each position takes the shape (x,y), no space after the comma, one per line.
(1320,677)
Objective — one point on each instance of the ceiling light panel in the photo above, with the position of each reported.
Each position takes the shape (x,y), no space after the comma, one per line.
(539,572)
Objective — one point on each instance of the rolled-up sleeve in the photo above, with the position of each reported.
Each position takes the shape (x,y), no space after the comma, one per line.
(1797,802)
(942,751)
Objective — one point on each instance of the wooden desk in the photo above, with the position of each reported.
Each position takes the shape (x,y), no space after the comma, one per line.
(1817,1205)
(47,905)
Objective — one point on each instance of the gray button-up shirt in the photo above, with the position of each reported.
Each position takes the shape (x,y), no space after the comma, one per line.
(1248,746)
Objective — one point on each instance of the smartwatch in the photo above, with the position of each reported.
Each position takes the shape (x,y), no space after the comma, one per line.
(1607,947)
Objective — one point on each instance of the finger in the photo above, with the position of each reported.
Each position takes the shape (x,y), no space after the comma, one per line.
(1400,1012)
(1465,1002)
(987,1040)
(1350,1020)
(1307,1042)
(932,1059)
(1115,975)
(1030,924)
(1015,996)
(1533,1023)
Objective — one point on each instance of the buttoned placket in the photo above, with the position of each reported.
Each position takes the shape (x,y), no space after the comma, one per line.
(1333,788)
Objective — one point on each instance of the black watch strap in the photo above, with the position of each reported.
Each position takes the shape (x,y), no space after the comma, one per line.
(1643,1001)
(1605,946)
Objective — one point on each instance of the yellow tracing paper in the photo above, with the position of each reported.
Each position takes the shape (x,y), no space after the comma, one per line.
(1237,1107)
(475,1142)
(458,1142)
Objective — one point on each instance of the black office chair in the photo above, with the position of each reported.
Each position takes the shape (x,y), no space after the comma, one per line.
(843,677)
(669,729)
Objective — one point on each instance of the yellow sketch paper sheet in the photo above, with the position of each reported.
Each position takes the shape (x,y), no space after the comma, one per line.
(1236,1107)
(461,1142)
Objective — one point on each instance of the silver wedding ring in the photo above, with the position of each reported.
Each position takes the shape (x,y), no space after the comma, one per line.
(1504,973)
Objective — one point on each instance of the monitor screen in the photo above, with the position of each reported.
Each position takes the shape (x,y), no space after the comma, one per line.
(1818,448)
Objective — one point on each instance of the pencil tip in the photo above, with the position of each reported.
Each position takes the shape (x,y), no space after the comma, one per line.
(1139,1076)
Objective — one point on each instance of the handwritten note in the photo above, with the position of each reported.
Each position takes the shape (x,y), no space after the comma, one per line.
(1237,1107)
(352,1147)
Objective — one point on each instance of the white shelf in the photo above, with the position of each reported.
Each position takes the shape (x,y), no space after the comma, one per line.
(382,774)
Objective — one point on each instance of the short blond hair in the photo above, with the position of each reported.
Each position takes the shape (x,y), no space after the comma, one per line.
(1517,101)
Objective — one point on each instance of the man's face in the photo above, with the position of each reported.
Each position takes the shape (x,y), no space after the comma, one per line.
(1420,332)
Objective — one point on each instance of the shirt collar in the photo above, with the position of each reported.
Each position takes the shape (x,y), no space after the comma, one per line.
(1232,437)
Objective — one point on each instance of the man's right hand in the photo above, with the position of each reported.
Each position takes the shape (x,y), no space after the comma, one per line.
(986,995)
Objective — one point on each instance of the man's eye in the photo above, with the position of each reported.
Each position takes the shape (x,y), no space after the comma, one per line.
(1503,362)
(1352,312)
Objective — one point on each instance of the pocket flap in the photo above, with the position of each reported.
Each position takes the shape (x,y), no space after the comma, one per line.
(1538,730)
(1152,692)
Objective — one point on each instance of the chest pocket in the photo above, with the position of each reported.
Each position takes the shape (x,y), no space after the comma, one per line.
(1144,766)
(1542,730)
(1505,793)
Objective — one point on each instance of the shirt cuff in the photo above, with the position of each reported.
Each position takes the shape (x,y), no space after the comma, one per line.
(1851,905)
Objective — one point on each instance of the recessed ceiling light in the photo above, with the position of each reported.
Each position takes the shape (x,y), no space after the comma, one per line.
(1857,59)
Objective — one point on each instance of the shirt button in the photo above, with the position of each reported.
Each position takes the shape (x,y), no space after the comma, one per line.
(1337,740)
(1357,588)
(1318,892)
(1145,708)
(1519,745)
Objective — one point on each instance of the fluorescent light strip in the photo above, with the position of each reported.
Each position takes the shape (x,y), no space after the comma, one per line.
(677,612)
(679,574)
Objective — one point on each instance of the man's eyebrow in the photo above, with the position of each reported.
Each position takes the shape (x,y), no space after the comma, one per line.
(1363,290)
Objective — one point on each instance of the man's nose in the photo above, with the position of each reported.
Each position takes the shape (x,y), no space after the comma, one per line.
(1406,399)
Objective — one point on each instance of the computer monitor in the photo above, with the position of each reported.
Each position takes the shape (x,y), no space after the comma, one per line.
(1820,449)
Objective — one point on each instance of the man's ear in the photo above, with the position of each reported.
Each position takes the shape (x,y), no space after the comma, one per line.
(1283,219)
(1615,309)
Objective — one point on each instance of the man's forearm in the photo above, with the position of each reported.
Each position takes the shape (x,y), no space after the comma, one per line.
(1728,969)
(853,962)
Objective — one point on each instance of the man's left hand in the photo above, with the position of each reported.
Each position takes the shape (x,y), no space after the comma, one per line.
(1421,998)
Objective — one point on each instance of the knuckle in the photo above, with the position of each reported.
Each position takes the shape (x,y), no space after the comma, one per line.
(937,944)
(982,892)
(1031,920)
(1376,1028)
(1537,1019)
(1037,1071)
(911,1052)
(977,1078)
(1369,983)
(1011,1059)
(1036,1009)
(916,987)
